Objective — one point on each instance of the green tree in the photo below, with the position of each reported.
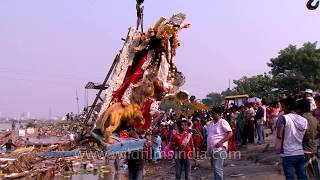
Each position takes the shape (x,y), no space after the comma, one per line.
(30,125)
(259,86)
(296,69)
(213,99)
(170,102)
(228,92)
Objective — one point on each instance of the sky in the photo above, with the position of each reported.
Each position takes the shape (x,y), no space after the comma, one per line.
(50,49)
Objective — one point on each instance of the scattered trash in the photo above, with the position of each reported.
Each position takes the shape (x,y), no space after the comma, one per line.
(42,151)
(30,131)
(125,167)
(236,175)
(59,154)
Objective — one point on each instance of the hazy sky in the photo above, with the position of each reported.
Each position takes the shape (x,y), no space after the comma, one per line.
(50,48)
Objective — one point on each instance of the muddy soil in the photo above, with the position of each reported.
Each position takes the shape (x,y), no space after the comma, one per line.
(256,162)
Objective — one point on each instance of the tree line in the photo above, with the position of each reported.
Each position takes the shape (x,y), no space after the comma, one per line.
(292,71)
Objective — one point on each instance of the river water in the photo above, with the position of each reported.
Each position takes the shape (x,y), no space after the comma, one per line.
(7,125)
(4,126)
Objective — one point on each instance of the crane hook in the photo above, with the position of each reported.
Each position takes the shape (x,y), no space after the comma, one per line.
(312,7)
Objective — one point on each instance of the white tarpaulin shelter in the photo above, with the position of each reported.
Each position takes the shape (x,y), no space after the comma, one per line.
(254,100)
(22,133)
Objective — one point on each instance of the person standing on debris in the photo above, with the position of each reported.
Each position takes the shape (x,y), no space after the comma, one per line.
(291,128)
(27,142)
(39,133)
(71,116)
(13,125)
(182,143)
(20,125)
(309,143)
(8,146)
(71,136)
(67,117)
(219,132)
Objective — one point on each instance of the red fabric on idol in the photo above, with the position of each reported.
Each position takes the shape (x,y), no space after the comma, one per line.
(134,78)
(145,110)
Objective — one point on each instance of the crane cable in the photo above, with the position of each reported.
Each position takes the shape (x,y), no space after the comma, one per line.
(139,8)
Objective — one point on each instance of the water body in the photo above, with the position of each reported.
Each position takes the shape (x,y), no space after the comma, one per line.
(5,126)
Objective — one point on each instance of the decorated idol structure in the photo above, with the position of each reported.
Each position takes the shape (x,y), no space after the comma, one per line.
(144,72)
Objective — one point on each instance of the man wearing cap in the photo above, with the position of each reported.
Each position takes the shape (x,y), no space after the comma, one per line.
(219,132)
(309,97)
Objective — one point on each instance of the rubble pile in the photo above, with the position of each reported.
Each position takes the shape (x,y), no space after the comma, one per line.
(46,153)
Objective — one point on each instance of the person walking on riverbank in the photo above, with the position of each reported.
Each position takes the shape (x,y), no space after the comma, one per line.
(291,128)
(8,146)
(249,115)
(260,119)
(219,132)
(240,125)
(309,140)
(182,143)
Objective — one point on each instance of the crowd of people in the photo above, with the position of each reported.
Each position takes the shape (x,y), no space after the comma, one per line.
(293,122)
(185,138)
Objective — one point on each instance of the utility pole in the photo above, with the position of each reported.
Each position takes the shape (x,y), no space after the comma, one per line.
(50,113)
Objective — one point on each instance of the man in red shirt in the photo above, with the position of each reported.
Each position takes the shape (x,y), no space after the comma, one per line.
(182,143)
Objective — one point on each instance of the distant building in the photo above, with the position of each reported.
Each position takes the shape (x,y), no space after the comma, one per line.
(25,116)
(28,115)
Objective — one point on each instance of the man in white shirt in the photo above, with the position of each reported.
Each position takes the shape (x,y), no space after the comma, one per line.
(219,132)
(290,130)
(309,97)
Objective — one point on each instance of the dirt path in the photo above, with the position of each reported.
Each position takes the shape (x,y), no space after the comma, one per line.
(256,162)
